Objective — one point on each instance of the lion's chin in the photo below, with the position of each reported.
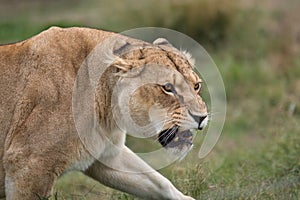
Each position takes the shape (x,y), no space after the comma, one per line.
(180,153)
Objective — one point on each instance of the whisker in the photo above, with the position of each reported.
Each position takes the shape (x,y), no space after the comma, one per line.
(169,135)
(214,113)
(159,137)
(188,122)
(150,126)
(162,135)
(165,122)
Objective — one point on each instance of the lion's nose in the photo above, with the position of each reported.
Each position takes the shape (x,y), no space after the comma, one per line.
(201,120)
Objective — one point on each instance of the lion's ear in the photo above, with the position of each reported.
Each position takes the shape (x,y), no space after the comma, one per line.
(114,48)
(122,65)
(128,68)
(162,41)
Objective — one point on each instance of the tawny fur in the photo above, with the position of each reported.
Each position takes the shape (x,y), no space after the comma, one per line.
(38,138)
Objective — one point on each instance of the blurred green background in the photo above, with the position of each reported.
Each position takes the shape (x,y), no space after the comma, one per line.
(256,47)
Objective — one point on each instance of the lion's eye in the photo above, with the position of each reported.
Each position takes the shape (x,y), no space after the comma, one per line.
(197,86)
(168,87)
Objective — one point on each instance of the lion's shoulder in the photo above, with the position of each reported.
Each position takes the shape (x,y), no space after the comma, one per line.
(43,68)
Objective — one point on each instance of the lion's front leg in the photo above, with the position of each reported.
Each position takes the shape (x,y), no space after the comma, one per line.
(132,175)
(27,179)
(2,184)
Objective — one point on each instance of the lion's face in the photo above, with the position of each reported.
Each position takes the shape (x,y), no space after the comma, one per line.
(169,97)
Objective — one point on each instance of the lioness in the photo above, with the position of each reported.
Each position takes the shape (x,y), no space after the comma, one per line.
(38,135)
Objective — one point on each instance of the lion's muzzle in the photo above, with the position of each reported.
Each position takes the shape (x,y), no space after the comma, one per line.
(172,137)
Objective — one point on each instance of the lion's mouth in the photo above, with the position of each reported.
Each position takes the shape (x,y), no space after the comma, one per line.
(172,137)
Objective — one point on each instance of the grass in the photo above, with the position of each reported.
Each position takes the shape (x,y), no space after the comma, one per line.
(271,171)
(256,49)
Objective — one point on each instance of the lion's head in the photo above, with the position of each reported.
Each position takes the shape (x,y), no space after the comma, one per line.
(158,93)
